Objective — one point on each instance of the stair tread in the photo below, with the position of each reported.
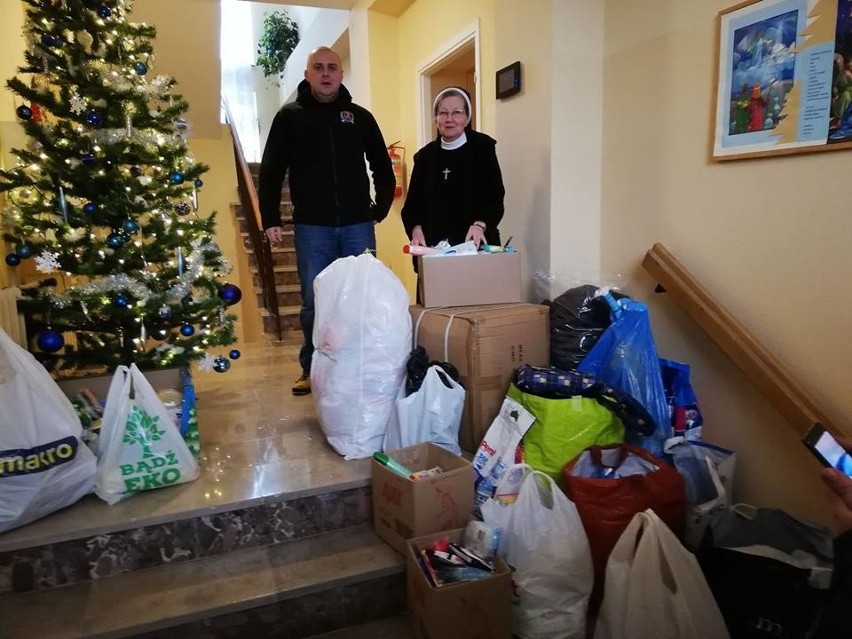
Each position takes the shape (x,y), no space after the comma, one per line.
(275,249)
(278,268)
(187,591)
(282,310)
(281,288)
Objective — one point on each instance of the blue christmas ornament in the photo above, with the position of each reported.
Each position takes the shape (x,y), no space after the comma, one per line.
(89,208)
(234,354)
(49,41)
(114,240)
(221,364)
(198,183)
(141,68)
(182,208)
(24,112)
(13,259)
(50,340)
(24,251)
(230,294)
(87,158)
(176,177)
(187,330)
(104,11)
(130,226)
(94,118)
(135,171)
(120,301)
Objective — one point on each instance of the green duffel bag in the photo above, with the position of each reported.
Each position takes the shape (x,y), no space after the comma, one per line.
(564,428)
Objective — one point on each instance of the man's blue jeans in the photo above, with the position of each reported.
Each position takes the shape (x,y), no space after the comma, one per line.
(316,248)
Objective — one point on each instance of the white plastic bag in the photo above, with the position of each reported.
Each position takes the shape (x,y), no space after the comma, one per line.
(140,446)
(708,476)
(44,464)
(655,588)
(430,414)
(362,338)
(544,541)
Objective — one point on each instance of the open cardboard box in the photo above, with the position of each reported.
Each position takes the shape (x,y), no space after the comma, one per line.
(470,280)
(404,508)
(481,608)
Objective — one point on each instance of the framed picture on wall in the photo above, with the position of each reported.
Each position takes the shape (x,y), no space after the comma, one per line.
(783,78)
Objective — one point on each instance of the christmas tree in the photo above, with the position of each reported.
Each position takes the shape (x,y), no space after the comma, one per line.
(105,199)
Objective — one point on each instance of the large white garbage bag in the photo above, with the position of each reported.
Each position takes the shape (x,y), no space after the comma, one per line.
(362,338)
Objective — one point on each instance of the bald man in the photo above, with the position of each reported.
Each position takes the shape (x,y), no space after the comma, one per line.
(322,139)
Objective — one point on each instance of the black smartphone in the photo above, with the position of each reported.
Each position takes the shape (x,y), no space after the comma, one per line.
(827,449)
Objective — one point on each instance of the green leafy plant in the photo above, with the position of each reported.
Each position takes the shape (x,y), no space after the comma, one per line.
(279,37)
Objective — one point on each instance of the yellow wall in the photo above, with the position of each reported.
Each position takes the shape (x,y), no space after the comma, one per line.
(769,238)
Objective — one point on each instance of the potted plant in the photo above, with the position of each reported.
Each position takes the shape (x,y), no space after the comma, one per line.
(279,37)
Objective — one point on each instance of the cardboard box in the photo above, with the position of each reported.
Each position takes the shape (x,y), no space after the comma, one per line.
(486,344)
(403,508)
(481,609)
(470,280)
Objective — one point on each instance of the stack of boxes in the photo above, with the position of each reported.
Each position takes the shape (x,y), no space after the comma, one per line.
(473,318)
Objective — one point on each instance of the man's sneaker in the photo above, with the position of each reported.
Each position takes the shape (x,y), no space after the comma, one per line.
(302,385)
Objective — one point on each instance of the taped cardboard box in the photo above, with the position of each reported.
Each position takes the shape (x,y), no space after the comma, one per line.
(486,344)
(470,280)
(404,508)
(467,609)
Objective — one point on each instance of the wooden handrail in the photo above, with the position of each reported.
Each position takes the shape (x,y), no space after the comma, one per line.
(762,369)
(257,238)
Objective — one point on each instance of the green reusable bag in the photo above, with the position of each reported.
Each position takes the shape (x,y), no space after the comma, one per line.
(564,428)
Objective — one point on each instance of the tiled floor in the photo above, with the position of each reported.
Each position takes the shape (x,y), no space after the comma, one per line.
(258,441)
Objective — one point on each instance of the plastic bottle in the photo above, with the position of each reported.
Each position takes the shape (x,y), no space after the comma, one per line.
(392,464)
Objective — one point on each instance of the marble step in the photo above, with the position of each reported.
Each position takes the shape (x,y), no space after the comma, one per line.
(390,628)
(292,589)
(53,556)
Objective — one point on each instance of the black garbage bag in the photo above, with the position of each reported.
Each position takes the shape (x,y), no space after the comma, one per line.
(577,321)
(418,364)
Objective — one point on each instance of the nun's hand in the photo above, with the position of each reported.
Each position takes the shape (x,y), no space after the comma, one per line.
(476,234)
(417,238)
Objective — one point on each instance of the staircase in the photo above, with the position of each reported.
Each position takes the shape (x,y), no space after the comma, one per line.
(272,540)
(287,288)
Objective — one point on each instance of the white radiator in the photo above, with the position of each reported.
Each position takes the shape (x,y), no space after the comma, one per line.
(10,320)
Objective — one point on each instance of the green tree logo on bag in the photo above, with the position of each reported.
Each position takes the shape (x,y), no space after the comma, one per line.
(154,469)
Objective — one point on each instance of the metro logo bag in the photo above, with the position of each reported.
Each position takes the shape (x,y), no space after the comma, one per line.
(44,464)
(141,448)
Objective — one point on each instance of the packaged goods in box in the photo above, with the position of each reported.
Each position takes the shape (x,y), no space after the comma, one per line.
(481,608)
(466,280)
(404,508)
(486,344)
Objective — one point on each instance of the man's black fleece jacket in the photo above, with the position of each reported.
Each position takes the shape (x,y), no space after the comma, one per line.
(324,145)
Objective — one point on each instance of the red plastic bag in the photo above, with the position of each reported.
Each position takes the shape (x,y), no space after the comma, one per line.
(610,484)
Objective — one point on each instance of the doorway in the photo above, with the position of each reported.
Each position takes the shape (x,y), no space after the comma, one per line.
(454,64)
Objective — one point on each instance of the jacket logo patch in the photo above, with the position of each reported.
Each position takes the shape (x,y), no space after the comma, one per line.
(347,117)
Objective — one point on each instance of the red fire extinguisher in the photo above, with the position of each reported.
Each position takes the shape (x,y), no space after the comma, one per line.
(398,163)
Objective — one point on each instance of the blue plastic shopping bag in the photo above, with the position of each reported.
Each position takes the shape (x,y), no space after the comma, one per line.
(626,357)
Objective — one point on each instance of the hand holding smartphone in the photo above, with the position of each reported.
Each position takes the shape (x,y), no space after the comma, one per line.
(827,449)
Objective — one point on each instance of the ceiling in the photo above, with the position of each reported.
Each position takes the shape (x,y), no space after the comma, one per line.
(388,7)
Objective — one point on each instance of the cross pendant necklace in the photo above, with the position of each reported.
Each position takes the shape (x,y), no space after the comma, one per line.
(446,172)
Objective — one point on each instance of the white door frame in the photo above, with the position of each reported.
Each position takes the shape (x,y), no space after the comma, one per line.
(423,87)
